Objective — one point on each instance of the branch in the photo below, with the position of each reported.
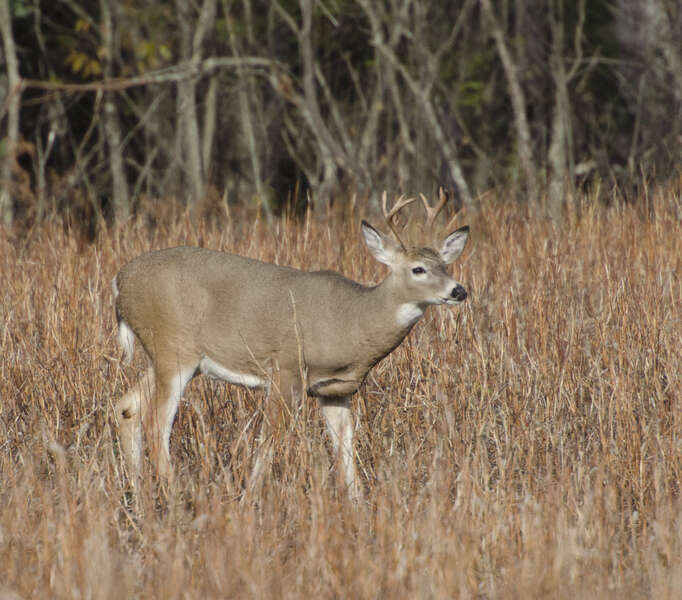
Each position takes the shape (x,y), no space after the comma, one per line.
(312,108)
(12,104)
(422,95)
(517,97)
(182,71)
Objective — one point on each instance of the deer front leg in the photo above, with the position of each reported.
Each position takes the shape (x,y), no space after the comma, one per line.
(283,393)
(340,425)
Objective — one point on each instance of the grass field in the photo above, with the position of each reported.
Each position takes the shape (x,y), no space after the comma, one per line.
(527,444)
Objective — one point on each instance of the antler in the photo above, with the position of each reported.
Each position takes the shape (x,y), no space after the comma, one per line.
(432,211)
(451,222)
(389,215)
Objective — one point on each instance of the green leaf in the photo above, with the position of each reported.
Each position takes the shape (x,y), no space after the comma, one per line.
(79,62)
(20,9)
(470,94)
(165,52)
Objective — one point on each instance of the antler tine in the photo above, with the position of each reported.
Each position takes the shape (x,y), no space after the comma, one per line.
(432,211)
(388,215)
(451,222)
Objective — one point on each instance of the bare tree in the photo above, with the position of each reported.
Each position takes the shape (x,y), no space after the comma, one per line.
(662,14)
(518,101)
(112,127)
(192,36)
(649,32)
(421,86)
(561,157)
(12,100)
(327,95)
(334,145)
(247,95)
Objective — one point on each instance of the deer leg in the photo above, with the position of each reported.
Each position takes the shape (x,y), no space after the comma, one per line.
(129,412)
(262,460)
(279,403)
(340,425)
(159,419)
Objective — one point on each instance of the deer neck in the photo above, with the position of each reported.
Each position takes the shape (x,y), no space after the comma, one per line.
(399,313)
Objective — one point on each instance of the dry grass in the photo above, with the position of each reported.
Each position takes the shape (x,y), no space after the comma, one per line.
(525,445)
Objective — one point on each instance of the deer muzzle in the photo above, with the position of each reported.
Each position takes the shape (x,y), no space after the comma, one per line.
(458,293)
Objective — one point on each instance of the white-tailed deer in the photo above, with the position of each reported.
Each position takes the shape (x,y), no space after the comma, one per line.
(252,323)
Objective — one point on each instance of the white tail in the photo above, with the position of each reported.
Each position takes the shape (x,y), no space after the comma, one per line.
(253,323)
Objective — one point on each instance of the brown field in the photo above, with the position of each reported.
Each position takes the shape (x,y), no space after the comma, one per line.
(527,444)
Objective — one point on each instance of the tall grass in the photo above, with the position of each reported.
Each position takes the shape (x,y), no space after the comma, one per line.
(527,444)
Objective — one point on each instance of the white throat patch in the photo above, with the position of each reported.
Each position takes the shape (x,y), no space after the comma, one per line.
(408,314)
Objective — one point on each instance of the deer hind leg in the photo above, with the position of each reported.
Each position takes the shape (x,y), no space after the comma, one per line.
(158,420)
(130,411)
(340,425)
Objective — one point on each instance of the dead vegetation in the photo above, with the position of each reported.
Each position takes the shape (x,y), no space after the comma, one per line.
(527,444)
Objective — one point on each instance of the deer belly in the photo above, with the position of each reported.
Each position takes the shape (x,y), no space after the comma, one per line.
(213,369)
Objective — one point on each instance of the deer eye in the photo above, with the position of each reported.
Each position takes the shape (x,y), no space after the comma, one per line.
(418,270)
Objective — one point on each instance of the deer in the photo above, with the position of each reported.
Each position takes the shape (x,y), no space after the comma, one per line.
(256,324)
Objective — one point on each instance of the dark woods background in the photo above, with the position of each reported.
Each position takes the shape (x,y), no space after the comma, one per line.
(112,107)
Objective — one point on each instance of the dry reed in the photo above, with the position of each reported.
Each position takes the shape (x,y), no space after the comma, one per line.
(525,445)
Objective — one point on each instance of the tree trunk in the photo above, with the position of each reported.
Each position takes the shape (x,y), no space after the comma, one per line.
(13,104)
(560,158)
(209,124)
(247,99)
(518,102)
(190,53)
(112,127)
(560,176)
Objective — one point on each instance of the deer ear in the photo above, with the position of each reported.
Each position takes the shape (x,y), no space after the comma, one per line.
(454,244)
(381,247)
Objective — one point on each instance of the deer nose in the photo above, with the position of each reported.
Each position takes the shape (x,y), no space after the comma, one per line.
(458,293)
